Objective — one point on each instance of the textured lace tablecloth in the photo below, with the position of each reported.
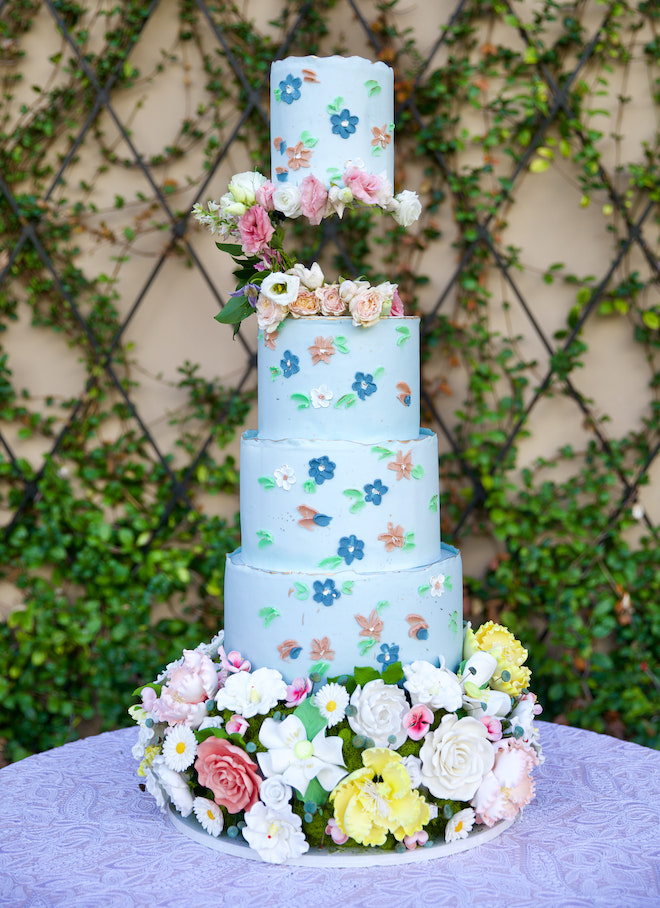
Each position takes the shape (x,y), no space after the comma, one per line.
(76,830)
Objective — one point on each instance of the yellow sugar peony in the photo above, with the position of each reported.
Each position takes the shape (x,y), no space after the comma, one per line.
(510,655)
(378,799)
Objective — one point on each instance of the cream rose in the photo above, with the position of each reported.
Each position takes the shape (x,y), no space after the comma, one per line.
(456,758)
(269,314)
(305,303)
(408,208)
(366,306)
(435,687)
(380,711)
(330,301)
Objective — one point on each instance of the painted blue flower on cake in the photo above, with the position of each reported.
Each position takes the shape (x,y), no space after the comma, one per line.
(325,592)
(321,468)
(351,549)
(364,385)
(343,124)
(289,364)
(290,89)
(374,491)
(388,654)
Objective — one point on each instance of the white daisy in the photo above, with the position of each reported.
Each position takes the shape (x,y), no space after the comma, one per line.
(180,748)
(209,816)
(332,701)
(460,825)
(285,477)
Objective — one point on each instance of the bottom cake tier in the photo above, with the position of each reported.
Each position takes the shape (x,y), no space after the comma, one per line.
(318,624)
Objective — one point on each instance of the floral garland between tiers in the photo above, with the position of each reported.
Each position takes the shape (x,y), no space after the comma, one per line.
(248,219)
(395,760)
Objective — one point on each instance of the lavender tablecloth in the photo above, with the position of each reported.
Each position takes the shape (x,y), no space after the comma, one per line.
(75,830)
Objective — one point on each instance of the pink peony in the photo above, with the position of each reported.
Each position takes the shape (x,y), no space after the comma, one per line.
(397,305)
(305,303)
(237,725)
(182,699)
(297,691)
(330,301)
(230,774)
(255,230)
(493,727)
(313,199)
(366,306)
(264,195)
(417,722)
(366,187)
(509,785)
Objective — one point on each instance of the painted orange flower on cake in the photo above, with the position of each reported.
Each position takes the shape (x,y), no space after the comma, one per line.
(299,156)
(380,136)
(394,538)
(290,649)
(321,649)
(321,350)
(418,627)
(402,466)
(371,626)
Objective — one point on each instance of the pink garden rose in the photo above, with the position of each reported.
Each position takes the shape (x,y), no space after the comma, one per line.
(255,230)
(365,187)
(313,199)
(397,305)
(230,774)
(182,699)
(509,785)
(269,314)
(366,306)
(264,195)
(330,301)
(305,303)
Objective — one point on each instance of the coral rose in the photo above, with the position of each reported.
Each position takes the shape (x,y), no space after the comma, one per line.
(230,774)
(305,303)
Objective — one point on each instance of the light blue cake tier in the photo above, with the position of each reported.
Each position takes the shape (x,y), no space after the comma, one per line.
(324,378)
(327,111)
(330,622)
(326,504)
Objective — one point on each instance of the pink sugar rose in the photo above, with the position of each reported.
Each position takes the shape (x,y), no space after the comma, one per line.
(305,303)
(330,301)
(366,187)
(189,686)
(298,691)
(237,725)
(366,306)
(313,199)
(264,195)
(493,727)
(417,722)
(397,305)
(509,785)
(230,774)
(255,230)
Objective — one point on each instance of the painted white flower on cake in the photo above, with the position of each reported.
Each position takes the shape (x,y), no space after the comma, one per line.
(180,748)
(460,825)
(209,816)
(379,713)
(275,793)
(321,397)
(456,758)
(276,835)
(297,760)
(173,784)
(332,700)
(437,585)
(280,288)
(435,687)
(249,693)
(287,199)
(285,477)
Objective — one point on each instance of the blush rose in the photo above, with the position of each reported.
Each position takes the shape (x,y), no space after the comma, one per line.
(230,774)
(255,230)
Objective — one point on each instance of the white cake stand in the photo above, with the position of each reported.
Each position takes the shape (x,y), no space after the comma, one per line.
(341,857)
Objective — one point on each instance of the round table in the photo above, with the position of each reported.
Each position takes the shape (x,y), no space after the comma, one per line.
(75,829)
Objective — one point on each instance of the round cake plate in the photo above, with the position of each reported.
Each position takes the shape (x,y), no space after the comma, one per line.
(344,857)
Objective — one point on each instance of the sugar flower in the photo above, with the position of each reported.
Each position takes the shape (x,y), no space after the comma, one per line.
(418,838)
(379,714)
(493,727)
(276,835)
(311,278)
(296,759)
(209,816)
(297,691)
(321,397)
(460,825)
(182,699)
(180,748)
(229,772)
(511,676)
(332,700)
(249,693)
(174,784)
(275,793)
(377,799)
(335,833)
(509,786)
(408,208)
(418,721)
(432,686)
(456,758)
(237,725)
(280,288)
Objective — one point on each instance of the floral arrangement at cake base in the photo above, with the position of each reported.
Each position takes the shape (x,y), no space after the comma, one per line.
(396,760)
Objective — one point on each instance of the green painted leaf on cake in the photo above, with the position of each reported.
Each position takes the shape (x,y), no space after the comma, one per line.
(309,487)
(404,334)
(308,139)
(378,373)
(275,372)
(433,504)
(278,94)
(417,471)
(301,590)
(347,587)
(391,127)
(340,344)
(334,174)
(376,150)
(448,585)
(336,106)
(302,400)
(267,482)
(269,614)
(353,493)
(332,562)
(382,605)
(357,506)
(320,668)
(409,542)
(373,88)
(382,452)
(265,538)
(346,400)
(422,590)
(453,622)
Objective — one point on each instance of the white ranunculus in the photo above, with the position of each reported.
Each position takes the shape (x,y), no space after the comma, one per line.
(243,187)
(311,278)
(249,693)
(435,687)
(408,208)
(275,793)
(456,757)
(280,288)
(276,835)
(380,711)
(287,200)
(297,760)
(175,785)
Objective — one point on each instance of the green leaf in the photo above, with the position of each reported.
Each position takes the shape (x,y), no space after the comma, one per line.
(309,487)
(393,673)
(302,400)
(423,589)
(320,668)
(341,345)
(363,674)
(417,471)
(434,504)
(404,334)
(265,538)
(382,452)
(336,106)
(301,590)
(539,165)
(346,400)
(278,94)
(275,372)
(310,716)
(267,482)
(233,249)
(308,139)
(373,87)
(353,493)
(331,563)
(347,587)
(269,614)
(234,311)
(357,506)
(382,605)
(378,374)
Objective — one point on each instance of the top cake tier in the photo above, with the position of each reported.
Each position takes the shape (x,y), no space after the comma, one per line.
(327,112)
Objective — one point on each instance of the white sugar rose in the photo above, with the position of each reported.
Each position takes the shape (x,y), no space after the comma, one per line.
(249,693)
(287,200)
(380,710)
(487,703)
(414,769)
(276,835)
(408,208)
(435,687)
(456,758)
(243,187)
(275,793)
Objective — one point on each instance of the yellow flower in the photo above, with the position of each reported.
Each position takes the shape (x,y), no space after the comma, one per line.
(378,799)
(510,676)
(149,754)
